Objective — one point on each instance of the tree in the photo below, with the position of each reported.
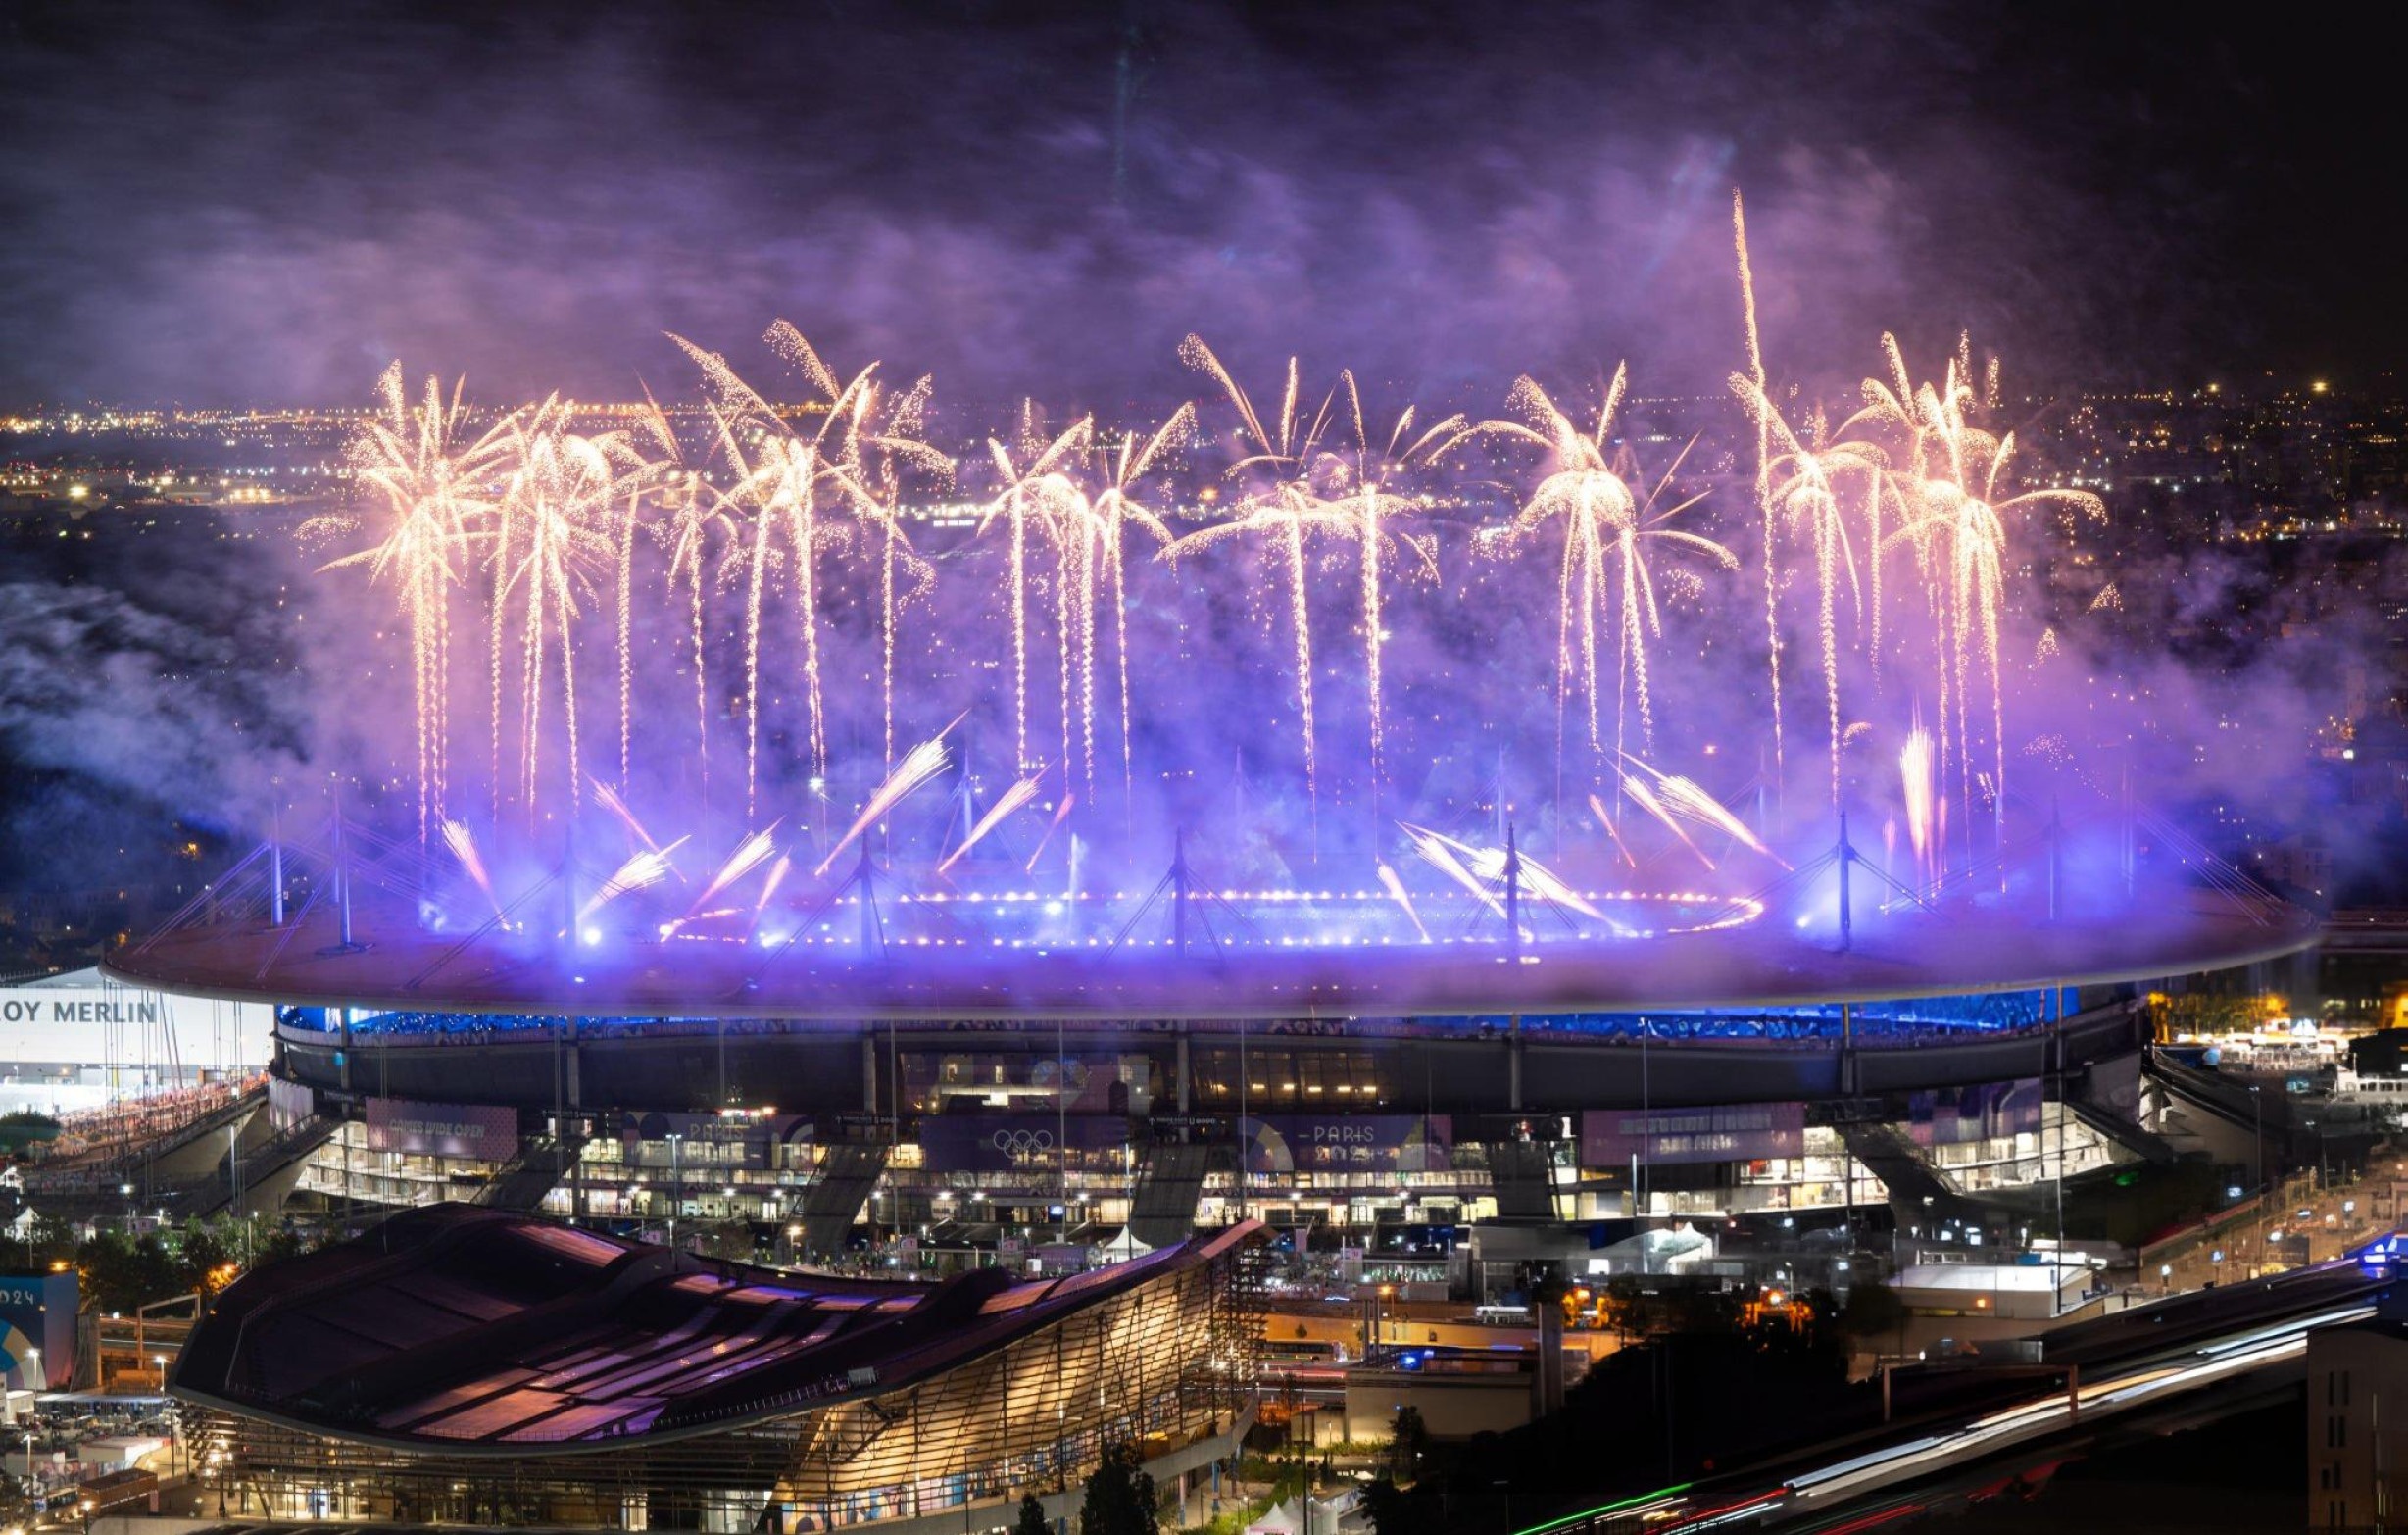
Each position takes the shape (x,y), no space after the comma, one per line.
(1119,1497)
(1032,1520)
(121,1272)
(1406,1444)
(1873,1309)
(1392,1510)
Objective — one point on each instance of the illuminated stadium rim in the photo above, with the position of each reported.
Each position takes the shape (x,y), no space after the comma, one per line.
(1733,969)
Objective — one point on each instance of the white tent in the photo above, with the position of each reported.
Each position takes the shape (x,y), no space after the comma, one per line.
(1326,1515)
(1122,1248)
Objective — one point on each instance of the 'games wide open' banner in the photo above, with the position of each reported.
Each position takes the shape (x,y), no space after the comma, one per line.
(483,1131)
(1725,1132)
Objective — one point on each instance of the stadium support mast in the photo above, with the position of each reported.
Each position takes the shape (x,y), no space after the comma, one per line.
(1846,855)
(276,864)
(1180,884)
(1513,894)
(864,876)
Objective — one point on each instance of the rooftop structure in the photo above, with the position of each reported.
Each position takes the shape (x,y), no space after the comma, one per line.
(469,1364)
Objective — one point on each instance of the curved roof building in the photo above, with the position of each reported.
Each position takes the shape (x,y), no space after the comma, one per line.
(466,1365)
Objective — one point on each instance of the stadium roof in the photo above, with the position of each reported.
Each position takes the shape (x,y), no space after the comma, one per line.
(475,1331)
(392,963)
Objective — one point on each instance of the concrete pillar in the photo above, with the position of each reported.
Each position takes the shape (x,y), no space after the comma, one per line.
(1514,1064)
(1549,1377)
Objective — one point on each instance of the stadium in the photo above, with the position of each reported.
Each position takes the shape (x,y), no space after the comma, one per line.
(1037,944)
(798,823)
(958,1066)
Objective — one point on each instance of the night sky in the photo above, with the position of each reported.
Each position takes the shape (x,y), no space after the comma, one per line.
(217,204)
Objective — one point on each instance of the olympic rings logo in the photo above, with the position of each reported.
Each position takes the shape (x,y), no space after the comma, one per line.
(1022,1143)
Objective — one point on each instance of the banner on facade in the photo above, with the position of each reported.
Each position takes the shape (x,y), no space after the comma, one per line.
(1984,1112)
(1002,1142)
(485,1132)
(1723,1132)
(288,1104)
(1349,1143)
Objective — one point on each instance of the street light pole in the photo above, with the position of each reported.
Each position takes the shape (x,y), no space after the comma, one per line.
(2257,1135)
(677,1183)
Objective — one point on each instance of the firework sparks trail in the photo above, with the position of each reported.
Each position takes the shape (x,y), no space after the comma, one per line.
(1006,803)
(1286,511)
(1114,511)
(1606,530)
(560,500)
(1436,851)
(1039,497)
(1360,479)
(749,855)
(428,478)
(694,522)
(1536,877)
(1686,797)
(1755,376)
(457,837)
(641,869)
(1597,808)
(1919,781)
(609,798)
(769,886)
(919,764)
(1396,888)
(1636,790)
(1061,814)
(1802,486)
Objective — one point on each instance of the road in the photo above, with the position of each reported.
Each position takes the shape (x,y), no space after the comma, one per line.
(2216,1345)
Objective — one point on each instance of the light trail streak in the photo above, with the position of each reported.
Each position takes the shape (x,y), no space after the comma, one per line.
(1396,889)
(457,837)
(919,764)
(1006,803)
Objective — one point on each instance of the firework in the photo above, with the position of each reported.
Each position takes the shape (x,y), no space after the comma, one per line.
(1281,508)
(1918,781)
(1440,853)
(1636,789)
(749,856)
(1756,377)
(1396,888)
(1010,801)
(1359,478)
(463,844)
(1061,812)
(641,869)
(1597,808)
(1603,527)
(764,557)
(427,476)
(919,764)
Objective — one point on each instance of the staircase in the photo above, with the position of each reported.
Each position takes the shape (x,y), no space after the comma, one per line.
(1524,1175)
(1918,1194)
(847,1174)
(537,1169)
(1170,1185)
